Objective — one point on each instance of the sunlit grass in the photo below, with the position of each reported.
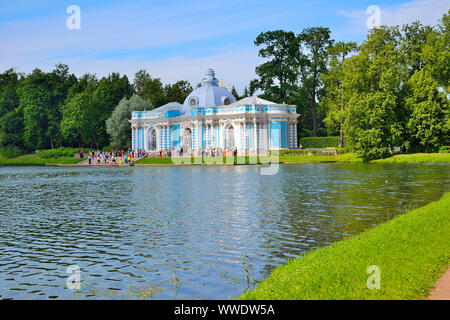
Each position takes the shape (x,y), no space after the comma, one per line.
(34,159)
(412,250)
(417,157)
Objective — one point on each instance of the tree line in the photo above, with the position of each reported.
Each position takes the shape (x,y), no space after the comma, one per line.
(390,91)
(46,110)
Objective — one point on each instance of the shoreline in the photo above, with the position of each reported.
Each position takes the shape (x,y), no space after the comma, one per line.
(411,251)
(35,160)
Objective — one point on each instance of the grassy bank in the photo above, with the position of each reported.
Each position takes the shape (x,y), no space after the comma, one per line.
(200,160)
(34,159)
(347,157)
(417,157)
(412,250)
(350,157)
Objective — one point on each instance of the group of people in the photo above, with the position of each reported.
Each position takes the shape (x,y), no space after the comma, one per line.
(117,157)
(120,157)
(183,151)
(218,152)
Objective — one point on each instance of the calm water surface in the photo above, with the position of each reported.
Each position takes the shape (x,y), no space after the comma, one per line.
(187,232)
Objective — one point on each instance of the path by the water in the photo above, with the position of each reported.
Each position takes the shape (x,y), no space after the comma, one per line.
(107,164)
(441,290)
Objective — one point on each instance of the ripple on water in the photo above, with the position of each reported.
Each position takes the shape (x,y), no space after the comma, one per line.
(186,232)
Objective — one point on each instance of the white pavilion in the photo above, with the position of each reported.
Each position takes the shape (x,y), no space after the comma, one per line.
(210,117)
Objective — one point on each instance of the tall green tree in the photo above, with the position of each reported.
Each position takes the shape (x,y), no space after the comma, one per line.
(436,52)
(177,92)
(334,100)
(35,98)
(375,117)
(11,115)
(429,111)
(278,75)
(80,120)
(414,38)
(118,126)
(312,58)
(107,95)
(79,115)
(149,88)
(60,82)
(235,93)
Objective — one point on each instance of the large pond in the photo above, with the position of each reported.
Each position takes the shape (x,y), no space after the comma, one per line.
(187,232)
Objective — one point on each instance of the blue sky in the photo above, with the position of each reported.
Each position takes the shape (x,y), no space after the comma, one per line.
(178,40)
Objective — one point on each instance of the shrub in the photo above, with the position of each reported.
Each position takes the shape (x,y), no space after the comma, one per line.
(319,142)
(444,149)
(312,152)
(57,153)
(11,151)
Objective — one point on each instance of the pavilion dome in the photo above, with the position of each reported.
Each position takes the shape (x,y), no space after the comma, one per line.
(209,94)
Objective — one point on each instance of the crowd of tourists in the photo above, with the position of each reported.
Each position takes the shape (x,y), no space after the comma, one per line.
(121,157)
(112,157)
(183,151)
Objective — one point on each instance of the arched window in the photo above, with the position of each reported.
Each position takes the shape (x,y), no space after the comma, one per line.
(227,101)
(187,139)
(229,137)
(153,140)
(192,102)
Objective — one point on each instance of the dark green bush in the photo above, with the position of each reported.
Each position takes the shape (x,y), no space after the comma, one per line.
(57,153)
(312,152)
(11,151)
(444,149)
(319,142)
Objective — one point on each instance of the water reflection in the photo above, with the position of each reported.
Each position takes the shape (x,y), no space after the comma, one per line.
(187,232)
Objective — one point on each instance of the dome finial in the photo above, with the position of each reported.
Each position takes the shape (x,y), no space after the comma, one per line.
(210,78)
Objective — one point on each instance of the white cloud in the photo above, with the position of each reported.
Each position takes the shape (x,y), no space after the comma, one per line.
(428,12)
(130,32)
(236,67)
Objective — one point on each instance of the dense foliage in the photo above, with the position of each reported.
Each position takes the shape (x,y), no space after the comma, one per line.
(319,142)
(56,109)
(118,126)
(391,91)
(58,152)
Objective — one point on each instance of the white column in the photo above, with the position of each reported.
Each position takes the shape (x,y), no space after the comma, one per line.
(295,135)
(290,135)
(208,137)
(241,135)
(213,135)
(255,136)
(133,138)
(158,138)
(145,138)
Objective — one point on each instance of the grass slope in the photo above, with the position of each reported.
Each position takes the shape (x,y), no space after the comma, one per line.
(347,157)
(417,157)
(412,250)
(34,159)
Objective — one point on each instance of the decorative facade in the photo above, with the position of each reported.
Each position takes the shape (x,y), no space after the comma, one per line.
(210,117)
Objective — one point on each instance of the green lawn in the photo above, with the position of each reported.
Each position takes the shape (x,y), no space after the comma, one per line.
(417,157)
(412,250)
(34,159)
(200,160)
(347,157)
